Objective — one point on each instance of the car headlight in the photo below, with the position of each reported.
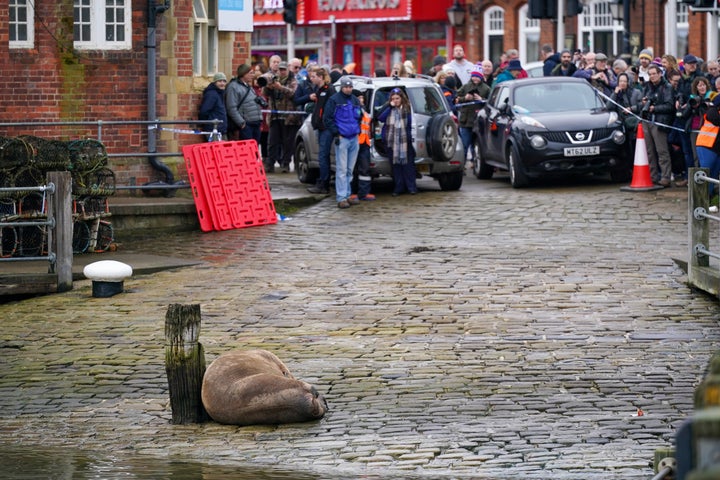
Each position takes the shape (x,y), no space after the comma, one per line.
(618,137)
(538,142)
(530,121)
(612,118)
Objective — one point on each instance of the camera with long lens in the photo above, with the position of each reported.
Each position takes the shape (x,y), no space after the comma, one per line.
(266,79)
(694,101)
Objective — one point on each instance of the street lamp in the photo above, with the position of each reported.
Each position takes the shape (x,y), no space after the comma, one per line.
(456,14)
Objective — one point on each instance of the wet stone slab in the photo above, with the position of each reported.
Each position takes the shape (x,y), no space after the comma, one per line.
(489,332)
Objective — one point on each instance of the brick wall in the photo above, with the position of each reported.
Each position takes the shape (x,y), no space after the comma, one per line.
(54,83)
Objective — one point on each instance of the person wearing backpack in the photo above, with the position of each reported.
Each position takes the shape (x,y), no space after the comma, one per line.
(323,91)
(342,118)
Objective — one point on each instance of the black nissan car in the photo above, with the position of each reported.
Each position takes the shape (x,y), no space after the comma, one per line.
(549,126)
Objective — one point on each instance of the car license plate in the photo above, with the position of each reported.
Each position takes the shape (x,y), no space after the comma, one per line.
(423,168)
(581,151)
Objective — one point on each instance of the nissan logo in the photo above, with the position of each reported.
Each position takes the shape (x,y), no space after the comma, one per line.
(579,136)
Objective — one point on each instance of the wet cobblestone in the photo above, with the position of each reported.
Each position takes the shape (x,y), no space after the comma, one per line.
(490,332)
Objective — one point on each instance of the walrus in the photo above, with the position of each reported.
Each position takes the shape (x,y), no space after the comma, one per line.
(253,387)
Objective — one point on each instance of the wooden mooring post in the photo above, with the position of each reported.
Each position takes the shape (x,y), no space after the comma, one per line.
(184,363)
(61,236)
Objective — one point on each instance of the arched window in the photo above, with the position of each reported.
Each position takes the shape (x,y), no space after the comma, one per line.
(529,37)
(494,28)
(599,32)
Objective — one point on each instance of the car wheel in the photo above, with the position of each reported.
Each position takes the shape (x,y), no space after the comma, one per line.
(450,181)
(481,169)
(302,163)
(443,138)
(518,178)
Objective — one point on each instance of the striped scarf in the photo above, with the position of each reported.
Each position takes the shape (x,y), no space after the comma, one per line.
(397,135)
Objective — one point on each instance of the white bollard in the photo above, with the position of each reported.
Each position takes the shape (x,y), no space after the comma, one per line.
(107,277)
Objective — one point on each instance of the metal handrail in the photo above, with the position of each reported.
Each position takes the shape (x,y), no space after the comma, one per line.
(700,273)
(665,472)
(57,217)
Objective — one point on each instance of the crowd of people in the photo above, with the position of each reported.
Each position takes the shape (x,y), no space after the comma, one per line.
(671,98)
(675,100)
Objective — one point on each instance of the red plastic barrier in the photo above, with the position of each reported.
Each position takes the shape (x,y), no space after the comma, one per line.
(229,185)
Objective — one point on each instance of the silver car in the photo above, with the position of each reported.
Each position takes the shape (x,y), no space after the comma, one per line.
(434,130)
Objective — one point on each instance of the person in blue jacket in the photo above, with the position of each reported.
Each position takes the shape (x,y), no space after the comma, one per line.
(341,118)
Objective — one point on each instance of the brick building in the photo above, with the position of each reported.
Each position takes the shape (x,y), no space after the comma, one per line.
(123,60)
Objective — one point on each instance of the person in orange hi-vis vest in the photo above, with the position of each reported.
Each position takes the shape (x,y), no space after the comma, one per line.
(707,146)
(363,159)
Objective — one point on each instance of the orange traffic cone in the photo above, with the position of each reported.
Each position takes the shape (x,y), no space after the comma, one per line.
(641,180)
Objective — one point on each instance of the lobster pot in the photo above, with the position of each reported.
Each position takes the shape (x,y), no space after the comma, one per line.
(15,152)
(50,155)
(27,176)
(32,241)
(6,182)
(96,183)
(86,155)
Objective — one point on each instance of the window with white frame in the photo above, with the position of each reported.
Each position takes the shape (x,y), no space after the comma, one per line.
(21,24)
(102,24)
(494,31)
(682,29)
(599,32)
(529,37)
(205,37)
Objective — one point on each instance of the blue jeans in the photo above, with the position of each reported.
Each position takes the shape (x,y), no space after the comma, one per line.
(251,131)
(466,135)
(325,139)
(345,156)
(710,160)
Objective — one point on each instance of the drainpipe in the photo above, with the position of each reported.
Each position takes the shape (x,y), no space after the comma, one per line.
(153,11)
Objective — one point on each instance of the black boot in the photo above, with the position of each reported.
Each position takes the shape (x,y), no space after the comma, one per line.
(319,188)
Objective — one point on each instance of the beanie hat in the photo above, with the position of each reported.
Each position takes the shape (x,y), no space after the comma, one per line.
(242,70)
(219,76)
(478,74)
(646,53)
(514,65)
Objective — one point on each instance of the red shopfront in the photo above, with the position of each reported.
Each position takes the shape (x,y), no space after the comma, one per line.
(373,34)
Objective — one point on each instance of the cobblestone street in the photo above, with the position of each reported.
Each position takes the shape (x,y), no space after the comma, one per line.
(485,333)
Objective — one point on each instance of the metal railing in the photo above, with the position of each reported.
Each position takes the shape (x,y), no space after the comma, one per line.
(54,221)
(701,273)
(151,154)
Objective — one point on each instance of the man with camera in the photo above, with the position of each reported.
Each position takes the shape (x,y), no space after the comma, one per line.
(657,109)
(283,123)
(243,106)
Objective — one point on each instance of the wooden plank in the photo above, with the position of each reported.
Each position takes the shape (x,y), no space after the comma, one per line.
(27,284)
